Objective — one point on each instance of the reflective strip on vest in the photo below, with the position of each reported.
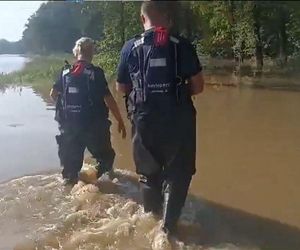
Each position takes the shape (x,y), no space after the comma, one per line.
(174,39)
(139,42)
(158,62)
(65,71)
(73,90)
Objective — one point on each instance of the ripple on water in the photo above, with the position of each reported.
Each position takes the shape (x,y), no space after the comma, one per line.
(43,214)
(14,125)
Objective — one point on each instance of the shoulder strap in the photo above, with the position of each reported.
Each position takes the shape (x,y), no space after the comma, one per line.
(138,47)
(176,42)
(179,80)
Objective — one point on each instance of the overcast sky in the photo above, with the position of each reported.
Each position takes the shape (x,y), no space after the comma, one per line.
(13,16)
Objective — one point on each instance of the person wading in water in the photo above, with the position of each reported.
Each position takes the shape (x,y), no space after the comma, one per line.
(159,72)
(83,100)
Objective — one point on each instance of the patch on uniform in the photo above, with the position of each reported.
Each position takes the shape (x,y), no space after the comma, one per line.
(139,42)
(158,62)
(174,39)
(73,90)
(65,71)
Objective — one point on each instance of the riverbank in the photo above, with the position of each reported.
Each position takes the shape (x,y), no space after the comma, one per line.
(222,72)
(41,71)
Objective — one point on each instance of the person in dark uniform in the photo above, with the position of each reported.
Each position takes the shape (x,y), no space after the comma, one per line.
(159,73)
(83,101)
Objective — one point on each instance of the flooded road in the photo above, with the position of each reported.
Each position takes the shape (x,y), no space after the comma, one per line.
(245,194)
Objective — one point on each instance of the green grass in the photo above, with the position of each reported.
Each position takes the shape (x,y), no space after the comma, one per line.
(42,71)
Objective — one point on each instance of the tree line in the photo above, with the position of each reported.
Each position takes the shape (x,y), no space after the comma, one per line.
(7,47)
(235,30)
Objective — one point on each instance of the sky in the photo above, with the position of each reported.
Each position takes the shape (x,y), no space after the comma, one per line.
(13,17)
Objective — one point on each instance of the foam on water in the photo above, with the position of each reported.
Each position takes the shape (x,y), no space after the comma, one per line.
(38,212)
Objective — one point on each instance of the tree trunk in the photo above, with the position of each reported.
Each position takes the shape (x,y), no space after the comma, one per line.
(283,37)
(232,20)
(258,48)
(258,42)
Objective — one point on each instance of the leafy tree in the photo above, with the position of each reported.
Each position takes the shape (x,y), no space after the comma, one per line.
(7,47)
(226,29)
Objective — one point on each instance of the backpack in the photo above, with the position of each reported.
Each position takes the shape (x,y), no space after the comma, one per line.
(75,104)
(156,81)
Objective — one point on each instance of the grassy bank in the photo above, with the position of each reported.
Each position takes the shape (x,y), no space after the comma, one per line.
(41,71)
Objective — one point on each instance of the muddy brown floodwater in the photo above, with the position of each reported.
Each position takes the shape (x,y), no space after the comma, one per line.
(248,151)
(248,158)
(245,194)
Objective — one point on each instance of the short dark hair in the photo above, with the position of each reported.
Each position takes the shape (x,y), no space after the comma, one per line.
(151,8)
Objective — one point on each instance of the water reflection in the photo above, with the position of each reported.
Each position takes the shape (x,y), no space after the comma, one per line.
(248,146)
(248,151)
(246,187)
(27,131)
(10,63)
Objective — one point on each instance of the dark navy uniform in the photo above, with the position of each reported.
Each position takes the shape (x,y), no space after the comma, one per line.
(93,129)
(163,118)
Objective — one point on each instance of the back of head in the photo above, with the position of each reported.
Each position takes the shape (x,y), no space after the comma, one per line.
(84,48)
(157,13)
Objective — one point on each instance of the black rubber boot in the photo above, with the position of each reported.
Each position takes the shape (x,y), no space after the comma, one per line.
(152,198)
(107,175)
(171,210)
(175,193)
(103,172)
(105,165)
(70,181)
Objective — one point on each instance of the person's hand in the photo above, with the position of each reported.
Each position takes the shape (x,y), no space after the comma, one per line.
(122,129)
(54,94)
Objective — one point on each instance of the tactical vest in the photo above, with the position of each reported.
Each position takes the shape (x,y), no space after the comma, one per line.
(76,102)
(156,80)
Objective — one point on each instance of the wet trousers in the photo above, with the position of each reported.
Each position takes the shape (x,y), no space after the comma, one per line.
(73,141)
(164,149)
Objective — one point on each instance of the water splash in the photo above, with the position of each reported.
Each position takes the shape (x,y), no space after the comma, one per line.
(40,213)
